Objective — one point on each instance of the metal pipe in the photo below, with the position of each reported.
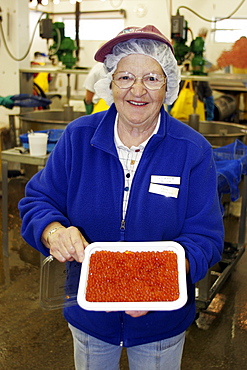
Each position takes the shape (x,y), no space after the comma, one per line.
(77,24)
(68,89)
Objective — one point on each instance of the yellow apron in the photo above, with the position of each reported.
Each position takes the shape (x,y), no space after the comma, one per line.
(100,106)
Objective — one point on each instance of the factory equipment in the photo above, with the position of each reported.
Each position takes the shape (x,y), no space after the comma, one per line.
(48,119)
(179,32)
(231,165)
(197,62)
(224,106)
(63,46)
(217,133)
(54,118)
(222,133)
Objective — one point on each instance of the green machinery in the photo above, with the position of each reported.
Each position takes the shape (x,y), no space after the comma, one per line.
(179,31)
(63,46)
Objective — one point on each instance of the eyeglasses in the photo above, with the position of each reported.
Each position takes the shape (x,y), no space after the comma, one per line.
(152,81)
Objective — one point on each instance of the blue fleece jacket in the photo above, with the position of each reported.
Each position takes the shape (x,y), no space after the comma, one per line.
(83,184)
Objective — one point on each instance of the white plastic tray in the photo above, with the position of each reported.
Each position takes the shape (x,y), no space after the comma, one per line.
(134,247)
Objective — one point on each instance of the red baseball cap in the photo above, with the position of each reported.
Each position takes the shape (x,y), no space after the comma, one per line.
(147,32)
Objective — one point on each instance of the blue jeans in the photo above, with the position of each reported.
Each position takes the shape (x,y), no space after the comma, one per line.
(93,354)
(209,103)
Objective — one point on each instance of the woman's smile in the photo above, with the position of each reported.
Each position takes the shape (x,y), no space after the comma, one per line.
(138,107)
(136,103)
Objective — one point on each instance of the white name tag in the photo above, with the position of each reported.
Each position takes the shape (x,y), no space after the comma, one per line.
(173,180)
(166,191)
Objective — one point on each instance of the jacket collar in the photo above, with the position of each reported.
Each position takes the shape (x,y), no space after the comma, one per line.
(103,137)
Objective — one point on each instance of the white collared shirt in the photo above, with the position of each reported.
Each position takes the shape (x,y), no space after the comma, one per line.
(129,158)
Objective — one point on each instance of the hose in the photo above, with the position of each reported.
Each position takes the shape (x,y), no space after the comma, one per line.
(29,47)
(210,20)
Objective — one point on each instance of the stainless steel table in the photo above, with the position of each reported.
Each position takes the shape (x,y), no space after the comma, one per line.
(13,155)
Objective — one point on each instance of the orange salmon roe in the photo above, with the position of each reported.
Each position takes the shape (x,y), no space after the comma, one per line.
(132,277)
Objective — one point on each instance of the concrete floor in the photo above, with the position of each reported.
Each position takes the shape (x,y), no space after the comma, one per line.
(33,338)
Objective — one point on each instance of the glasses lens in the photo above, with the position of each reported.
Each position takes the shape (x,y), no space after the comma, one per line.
(153,81)
(123,80)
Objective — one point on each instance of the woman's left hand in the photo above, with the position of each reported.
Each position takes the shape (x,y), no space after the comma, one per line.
(136,313)
(65,244)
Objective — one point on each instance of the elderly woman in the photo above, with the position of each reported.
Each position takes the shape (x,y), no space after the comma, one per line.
(132,173)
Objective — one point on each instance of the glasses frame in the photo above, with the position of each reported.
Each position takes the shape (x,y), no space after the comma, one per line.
(139,78)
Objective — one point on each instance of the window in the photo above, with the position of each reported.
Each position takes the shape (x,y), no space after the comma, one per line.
(99,25)
(94,29)
(230,30)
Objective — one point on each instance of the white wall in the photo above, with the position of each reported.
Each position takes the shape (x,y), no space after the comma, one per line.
(15,27)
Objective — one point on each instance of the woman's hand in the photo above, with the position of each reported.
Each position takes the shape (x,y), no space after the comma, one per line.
(142,313)
(136,313)
(65,244)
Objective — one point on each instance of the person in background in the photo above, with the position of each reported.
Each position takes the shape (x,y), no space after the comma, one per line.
(94,103)
(23,100)
(131,173)
(42,79)
(208,66)
(205,92)
(6,101)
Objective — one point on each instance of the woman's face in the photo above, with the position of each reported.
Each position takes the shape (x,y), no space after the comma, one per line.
(138,106)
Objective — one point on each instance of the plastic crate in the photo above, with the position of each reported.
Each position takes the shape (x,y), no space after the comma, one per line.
(53,137)
(231,164)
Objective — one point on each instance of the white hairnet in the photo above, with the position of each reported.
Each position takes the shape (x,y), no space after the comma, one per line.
(155,49)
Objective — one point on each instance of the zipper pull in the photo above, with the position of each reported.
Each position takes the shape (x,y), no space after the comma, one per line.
(122,225)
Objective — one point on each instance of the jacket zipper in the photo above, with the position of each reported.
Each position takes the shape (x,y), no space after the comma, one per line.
(122,230)
(122,324)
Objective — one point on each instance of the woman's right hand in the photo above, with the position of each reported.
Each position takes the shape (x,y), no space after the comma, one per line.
(65,244)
